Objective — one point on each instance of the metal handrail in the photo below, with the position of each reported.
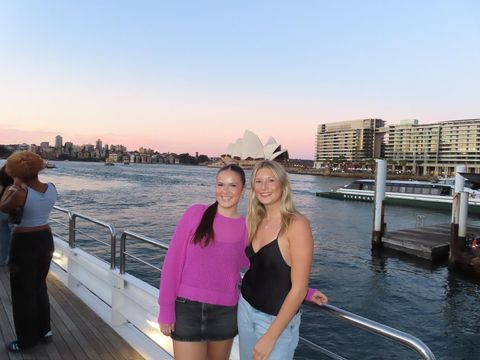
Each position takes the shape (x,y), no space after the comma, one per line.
(72,217)
(124,253)
(374,327)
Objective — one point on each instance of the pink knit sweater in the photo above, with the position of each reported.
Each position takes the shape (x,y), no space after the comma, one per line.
(207,274)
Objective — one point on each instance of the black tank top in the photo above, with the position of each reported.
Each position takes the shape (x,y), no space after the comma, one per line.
(267,283)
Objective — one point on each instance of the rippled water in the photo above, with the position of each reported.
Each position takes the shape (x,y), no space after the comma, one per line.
(437,305)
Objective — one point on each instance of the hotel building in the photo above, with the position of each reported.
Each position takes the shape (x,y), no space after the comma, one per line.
(410,147)
(434,149)
(354,141)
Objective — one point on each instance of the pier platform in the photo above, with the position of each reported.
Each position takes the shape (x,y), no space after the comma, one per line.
(78,333)
(429,242)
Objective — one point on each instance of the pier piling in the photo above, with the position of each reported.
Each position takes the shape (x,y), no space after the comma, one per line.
(378,216)
(452,254)
(462,221)
(458,210)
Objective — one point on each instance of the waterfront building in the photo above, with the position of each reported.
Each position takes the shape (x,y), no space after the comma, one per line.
(58,142)
(434,149)
(68,148)
(349,141)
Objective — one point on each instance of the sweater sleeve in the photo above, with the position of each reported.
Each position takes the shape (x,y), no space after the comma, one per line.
(310,293)
(172,268)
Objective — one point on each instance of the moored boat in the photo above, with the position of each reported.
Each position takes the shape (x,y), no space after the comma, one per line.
(412,193)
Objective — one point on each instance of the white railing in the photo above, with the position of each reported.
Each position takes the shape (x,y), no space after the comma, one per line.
(133,301)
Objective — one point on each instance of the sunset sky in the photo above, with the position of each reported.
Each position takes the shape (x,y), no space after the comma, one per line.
(187,76)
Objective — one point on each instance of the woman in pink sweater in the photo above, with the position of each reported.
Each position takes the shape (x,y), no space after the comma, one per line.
(199,283)
(200,276)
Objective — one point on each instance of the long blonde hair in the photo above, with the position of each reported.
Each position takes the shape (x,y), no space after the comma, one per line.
(256,210)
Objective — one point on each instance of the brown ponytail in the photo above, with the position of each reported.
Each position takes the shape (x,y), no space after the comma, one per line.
(204,233)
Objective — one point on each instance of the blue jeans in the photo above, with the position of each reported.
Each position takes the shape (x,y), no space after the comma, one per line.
(5,238)
(253,323)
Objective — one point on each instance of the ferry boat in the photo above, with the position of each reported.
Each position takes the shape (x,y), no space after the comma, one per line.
(50,165)
(109,162)
(402,192)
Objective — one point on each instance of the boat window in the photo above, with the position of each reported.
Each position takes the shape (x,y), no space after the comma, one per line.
(435,191)
(426,190)
(446,191)
(388,188)
(418,189)
(355,185)
(402,189)
(395,188)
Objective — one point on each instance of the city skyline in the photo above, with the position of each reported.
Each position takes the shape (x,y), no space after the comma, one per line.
(188,77)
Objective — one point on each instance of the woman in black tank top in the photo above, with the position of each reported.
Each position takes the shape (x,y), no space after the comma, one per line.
(280,252)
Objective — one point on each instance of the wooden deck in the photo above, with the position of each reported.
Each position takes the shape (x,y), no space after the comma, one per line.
(430,242)
(78,333)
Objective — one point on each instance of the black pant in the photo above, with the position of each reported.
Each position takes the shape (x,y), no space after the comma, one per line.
(30,257)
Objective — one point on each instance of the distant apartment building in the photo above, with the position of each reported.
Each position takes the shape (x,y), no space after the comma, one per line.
(58,142)
(353,141)
(436,148)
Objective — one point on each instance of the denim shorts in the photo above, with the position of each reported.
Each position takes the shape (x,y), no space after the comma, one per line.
(253,324)
(196,321)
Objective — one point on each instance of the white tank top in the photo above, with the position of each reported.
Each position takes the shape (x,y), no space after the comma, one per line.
(38,206)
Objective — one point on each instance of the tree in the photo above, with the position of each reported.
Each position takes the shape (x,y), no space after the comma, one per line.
(5,152)
(186,159)
(203,158)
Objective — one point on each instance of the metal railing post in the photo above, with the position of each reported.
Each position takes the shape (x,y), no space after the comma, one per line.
(71,229)
(113,250)
(122,252)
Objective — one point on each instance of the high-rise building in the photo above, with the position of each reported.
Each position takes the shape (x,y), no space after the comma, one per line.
(98,145)
(354,141)
(58,142)
(436,148)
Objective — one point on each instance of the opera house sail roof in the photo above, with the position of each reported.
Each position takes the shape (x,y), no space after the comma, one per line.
(249,147)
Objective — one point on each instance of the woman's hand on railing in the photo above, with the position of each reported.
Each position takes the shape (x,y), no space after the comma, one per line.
(318,298)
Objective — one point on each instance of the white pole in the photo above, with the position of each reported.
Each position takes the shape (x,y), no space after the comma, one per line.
(462,218)
(459,186)
(380,185)
(459,179)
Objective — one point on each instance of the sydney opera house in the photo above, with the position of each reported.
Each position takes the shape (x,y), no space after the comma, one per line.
(247,150)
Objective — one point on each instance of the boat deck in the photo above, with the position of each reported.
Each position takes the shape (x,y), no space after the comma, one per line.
(429,242)
(78,333)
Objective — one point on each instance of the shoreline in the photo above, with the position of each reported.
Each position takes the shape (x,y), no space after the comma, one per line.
(356,175)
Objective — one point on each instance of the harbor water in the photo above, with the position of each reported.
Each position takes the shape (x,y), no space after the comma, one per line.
(437,305)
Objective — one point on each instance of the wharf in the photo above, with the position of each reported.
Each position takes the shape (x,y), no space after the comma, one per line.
(78,333)
(429,242)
